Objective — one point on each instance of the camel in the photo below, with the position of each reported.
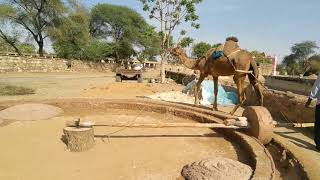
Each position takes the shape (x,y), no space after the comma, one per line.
(234,61)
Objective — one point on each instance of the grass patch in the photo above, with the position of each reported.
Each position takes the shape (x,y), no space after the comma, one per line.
(9,90)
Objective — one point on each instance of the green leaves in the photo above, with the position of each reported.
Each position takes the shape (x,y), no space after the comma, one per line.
(186,41)
(170,14)
(122,26)
(6,11)
(200,49)
(304,49)
(300,53)
(36,17)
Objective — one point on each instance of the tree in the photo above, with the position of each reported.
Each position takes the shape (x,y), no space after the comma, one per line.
(35,17)
(70,35)
(304,49)
(124,28)
(300,53)
(200,49)
(8,32)
(169,15)
(186,42)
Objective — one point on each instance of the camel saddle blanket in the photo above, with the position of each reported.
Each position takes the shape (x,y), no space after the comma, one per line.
(217,54)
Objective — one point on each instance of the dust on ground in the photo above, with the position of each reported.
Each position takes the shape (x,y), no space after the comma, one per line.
(35,151)
(129,90)
(30,111)
(28,146)
(77,85)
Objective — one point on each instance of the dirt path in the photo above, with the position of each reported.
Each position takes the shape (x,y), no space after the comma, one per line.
(76,85)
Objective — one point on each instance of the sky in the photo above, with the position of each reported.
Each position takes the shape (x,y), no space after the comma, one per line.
(270,26)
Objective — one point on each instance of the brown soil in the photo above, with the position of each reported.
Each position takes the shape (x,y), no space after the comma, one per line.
(30,112)
(33,150)
(119,153)
(129,90)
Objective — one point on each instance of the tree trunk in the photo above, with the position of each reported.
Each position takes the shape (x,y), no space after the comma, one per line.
(11,43)
(162,71)
(16,49)
(79,139)
(40,51)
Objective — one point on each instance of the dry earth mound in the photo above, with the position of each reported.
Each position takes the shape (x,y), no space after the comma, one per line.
(217,169)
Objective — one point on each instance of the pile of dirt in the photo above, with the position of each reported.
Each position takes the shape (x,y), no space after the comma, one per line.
(27,112)
(217,168)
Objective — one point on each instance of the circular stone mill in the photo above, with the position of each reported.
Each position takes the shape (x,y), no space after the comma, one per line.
(251,131)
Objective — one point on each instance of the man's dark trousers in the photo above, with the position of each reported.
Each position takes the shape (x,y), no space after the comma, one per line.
(317,126)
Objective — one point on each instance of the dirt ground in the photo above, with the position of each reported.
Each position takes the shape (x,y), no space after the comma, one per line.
(33,150)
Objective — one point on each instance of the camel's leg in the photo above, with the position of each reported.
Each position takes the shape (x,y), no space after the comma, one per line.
(239,80)
(197,89)
(257,88)
(215,104)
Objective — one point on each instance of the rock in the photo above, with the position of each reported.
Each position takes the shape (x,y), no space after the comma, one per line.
(217,168)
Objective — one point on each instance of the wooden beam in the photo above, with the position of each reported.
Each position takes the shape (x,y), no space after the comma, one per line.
(167,125)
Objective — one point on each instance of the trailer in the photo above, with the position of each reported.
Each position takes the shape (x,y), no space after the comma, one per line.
(129,74)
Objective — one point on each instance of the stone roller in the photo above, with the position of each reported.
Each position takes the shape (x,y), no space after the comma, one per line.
(255,120)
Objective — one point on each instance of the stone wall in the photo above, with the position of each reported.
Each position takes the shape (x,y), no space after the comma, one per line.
(12,63)
(293,84)
(265,69)
(284,106)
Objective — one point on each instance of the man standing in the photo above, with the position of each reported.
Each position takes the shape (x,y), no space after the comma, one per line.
(315,94)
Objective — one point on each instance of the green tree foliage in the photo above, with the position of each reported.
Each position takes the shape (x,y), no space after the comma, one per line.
(97,50)
(303,50)
(71,35)
(200,49)
(26,48)
(35,17)
(72,40)
(186,42)
(8,33)
(294,62)
(124,28)
(20,47)
(170,14)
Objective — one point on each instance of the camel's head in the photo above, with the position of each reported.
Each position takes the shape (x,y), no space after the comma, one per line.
(176,51)
(230,45)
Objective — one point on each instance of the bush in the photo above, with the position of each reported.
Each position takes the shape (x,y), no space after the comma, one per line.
(9,90)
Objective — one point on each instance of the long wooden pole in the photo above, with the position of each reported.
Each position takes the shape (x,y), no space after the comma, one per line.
(168,125)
